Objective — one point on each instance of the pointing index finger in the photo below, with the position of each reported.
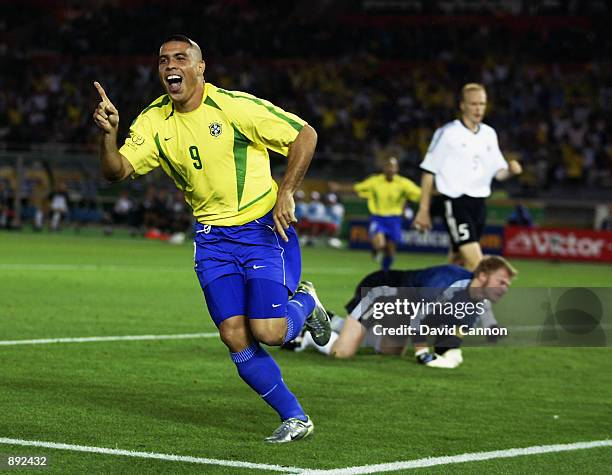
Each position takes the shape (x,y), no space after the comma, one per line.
(101,91)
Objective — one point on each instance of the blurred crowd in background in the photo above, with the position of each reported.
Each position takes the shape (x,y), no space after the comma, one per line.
(159,213)
(374,78)
(319,219)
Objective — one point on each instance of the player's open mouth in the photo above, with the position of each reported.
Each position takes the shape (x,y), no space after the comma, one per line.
(174,82)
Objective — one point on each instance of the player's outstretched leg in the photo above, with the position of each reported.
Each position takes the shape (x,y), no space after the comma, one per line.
(259,370)
(317,323)
(226,298)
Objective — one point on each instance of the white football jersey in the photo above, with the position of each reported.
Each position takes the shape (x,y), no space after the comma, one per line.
(464,162)
(317,212)
(335,213)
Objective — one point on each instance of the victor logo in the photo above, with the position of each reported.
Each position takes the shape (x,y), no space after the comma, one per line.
(546,243)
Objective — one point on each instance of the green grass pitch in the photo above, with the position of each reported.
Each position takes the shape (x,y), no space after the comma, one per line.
(183,396)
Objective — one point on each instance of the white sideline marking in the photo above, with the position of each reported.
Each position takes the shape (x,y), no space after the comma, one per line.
(364,469)
(89,339)
(85,267)
(469,457)
(150,455)
(184,336)
(97,267)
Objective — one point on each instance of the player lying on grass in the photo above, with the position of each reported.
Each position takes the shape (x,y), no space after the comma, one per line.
(214,145)
(373,318)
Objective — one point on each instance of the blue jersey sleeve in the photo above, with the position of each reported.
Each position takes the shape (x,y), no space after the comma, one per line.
(442,277)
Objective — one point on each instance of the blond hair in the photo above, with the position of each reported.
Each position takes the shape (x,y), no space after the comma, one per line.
(490,264)
(471,86)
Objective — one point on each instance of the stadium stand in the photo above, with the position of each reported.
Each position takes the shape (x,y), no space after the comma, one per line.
(379,84)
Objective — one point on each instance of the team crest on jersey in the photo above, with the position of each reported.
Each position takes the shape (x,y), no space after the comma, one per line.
(215,129)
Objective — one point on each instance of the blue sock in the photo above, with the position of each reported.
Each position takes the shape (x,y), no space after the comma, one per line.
(386,263)
(298,308)
(262,374)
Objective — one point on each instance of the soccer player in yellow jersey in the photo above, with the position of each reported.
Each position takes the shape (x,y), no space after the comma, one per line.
(387,194)
(213,144)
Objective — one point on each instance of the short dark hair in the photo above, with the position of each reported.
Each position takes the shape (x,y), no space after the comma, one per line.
(184,39)
(179,37)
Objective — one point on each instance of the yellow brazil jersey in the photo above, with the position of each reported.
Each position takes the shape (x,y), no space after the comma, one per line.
(387,198)
(216,154)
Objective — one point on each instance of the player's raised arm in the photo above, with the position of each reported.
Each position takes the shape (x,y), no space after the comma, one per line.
(336,187)
(115,167)
(300,155)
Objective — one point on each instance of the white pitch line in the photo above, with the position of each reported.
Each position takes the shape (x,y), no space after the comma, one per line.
(150,455)
(88,267)
(104,267)
(364,469)
(469,457)
(89,339)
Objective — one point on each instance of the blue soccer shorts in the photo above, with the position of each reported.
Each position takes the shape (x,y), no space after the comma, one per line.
(248,269)
(390,226)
